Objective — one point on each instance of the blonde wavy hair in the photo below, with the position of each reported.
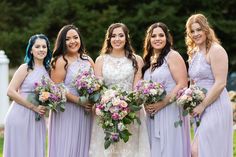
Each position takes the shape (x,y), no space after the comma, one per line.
(210,34)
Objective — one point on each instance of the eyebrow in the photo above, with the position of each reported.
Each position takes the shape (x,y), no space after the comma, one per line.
(72,36)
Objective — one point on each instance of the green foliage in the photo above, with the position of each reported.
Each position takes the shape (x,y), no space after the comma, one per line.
(21,19)
(1,145)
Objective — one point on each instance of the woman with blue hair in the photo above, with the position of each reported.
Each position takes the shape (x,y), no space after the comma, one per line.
(24,136)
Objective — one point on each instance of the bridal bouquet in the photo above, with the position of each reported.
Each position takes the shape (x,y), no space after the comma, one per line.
(188,99)
(149,92)
(116,110)
(88,85)
(48,94)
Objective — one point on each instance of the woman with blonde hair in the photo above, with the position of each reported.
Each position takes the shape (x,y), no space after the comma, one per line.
(208,67)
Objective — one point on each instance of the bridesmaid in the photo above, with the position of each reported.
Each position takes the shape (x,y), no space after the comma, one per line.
(208,69)
(69,131)
(166,66)
(23,136)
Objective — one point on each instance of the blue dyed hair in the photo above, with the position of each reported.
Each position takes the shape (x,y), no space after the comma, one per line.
(29,58)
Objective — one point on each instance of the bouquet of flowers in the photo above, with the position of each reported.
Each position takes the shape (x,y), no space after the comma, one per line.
(116,110)
(88,86)
(188,99)
(48,94)
(149,92)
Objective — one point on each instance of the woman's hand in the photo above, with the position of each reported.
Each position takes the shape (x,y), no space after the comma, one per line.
(41,110)
(153,108)
(198,110)
(84,102)
(88,107)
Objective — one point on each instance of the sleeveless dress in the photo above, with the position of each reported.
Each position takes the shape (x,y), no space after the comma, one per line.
(70,131)
(120,72)
(216,128)
(165,139)
(23,136)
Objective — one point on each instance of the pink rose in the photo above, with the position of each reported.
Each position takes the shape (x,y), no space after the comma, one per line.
(115,116)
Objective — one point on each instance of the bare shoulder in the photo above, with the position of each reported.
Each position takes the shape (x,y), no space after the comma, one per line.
(217,52)
(89,59)
(138,58)
(60,62)
(99,59)
(216,48)
(174,55)
(22,71)
(23,68)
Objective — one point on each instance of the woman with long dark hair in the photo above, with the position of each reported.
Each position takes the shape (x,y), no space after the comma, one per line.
(119,65)
(69,131)
(166,66)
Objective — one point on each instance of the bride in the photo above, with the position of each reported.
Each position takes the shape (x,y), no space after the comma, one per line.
(118,65)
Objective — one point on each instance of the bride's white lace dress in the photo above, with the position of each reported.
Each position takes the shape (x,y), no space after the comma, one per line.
(120,72)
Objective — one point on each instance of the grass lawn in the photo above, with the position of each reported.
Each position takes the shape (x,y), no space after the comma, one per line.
(1,145)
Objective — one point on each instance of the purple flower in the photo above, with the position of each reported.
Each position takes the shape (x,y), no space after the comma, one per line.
(90,91)
(36,84)
(114,137)
(146,91)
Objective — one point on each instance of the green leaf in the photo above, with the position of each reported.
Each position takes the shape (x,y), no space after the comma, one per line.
(107,144)
(178,123)
(185,113)
(125,135)
(95,97)
(127,120)
(138,121)
(134,108)
(37,117)
(33,99)
(62,107)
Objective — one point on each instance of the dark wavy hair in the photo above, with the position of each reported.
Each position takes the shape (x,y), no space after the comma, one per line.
(60,48)
(29,58)
(148,49)
(129,51)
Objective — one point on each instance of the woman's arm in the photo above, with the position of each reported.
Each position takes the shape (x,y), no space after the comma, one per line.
(14,86)
(98,66)
(218,60)
(58,75)
(91,61)
(179,73)
(138,74)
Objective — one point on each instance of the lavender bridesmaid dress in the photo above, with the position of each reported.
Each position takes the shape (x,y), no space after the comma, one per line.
(165,139)
(70,131)
(23,136)
(216,128)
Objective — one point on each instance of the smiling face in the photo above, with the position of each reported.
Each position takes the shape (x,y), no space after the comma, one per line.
(197,34)
(118,39)
(158,39)
(72,41)
(39,49)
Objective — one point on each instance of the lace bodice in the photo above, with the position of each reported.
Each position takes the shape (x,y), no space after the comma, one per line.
(200,70)
(118,71)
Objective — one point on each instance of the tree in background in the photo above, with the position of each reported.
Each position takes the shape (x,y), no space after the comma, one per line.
(20,19)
